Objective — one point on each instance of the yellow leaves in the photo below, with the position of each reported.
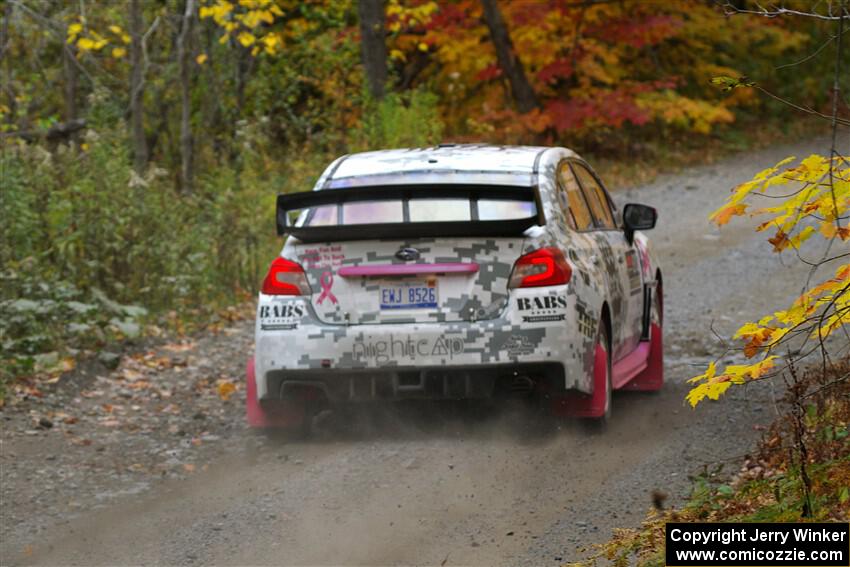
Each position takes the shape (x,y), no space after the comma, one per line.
(722,215)
(708,386)
(245,21)
(73,31)
(684,112)
(755,335)
(94,43)
(201,59)
(272,43)
(809,205)
(812,196)
(712,385)
(219,11)
(830,230)
(225,389)
(89,40)
(818,313)
(246,39)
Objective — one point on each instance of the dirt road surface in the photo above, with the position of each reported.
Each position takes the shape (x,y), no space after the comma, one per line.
(188,484)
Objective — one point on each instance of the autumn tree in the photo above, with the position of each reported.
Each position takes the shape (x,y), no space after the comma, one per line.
(811,200)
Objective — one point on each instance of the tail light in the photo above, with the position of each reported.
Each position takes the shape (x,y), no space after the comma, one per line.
(546,266)
(286,278)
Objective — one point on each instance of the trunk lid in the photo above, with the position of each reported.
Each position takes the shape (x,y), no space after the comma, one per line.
(421,280)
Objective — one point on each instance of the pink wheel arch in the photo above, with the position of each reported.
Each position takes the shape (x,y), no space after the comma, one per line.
(576,404)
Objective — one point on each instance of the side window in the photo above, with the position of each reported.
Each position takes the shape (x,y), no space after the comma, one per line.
(576,205)
(596,197)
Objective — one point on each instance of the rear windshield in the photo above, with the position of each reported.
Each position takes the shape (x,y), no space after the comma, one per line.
(419,210)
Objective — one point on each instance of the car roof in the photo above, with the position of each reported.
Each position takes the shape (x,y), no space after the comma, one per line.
(504,165)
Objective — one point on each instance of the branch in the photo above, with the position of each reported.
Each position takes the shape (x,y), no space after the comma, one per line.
(842,121)
(144,44)
(60,130)
(807,57)
(778,11)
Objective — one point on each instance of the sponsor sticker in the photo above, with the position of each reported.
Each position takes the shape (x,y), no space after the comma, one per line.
(407,348)
(278,316)
(518,345)
(586,323)
(542,309)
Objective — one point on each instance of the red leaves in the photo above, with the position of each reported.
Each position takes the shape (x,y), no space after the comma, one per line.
(526,13)
(614,109)
(451,17)
(638,32)
(489,73)
(558,69)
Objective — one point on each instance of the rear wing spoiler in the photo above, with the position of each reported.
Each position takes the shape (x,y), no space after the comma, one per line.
(288,203)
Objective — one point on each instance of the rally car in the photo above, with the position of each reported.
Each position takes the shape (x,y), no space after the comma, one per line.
(456,272)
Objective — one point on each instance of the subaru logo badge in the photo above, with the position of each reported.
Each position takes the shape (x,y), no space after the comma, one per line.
(407,254)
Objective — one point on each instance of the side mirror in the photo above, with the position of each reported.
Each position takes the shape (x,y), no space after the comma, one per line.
(638,217)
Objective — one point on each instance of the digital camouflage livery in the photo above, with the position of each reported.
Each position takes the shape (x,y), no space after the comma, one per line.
(457,271)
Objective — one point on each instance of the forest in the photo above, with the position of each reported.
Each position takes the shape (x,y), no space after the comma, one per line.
(144,141)
(143,144)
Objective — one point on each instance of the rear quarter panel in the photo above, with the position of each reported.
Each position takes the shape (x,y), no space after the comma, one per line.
(589,286)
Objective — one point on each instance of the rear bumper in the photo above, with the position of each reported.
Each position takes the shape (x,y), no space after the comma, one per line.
(431,383)
(465,359)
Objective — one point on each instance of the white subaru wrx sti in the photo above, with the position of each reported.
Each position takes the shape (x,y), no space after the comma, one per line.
(456,272)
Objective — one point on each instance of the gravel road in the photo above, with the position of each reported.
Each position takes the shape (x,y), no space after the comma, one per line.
(168,474)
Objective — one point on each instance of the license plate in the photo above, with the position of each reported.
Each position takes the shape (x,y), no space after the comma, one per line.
(408,295)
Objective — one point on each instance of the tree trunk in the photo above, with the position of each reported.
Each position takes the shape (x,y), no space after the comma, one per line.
(373,47)
(510,64)
(71,73)
(184,55)
(137,127)
(6,83)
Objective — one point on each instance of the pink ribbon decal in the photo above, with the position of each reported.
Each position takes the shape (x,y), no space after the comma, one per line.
(327,281)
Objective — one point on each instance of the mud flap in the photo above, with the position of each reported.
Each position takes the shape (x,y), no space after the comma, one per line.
(286,415)
(651,379)
(578,404)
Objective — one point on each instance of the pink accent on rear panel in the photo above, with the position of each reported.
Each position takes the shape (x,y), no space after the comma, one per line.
(577,404)
(409,269)
(630,365)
